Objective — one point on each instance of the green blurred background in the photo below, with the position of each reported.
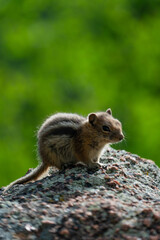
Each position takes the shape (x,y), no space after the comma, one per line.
(77,56)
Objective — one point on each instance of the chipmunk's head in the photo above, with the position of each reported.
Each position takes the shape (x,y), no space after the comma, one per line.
(108,128)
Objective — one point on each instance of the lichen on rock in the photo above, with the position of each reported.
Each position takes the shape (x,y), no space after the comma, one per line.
(121,200)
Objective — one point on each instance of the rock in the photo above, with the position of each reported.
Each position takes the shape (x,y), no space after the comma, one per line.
(119,201)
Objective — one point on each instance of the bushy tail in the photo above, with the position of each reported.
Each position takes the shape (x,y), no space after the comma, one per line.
(37,172)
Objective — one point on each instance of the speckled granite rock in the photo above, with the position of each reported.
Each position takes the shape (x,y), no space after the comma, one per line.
(119,201)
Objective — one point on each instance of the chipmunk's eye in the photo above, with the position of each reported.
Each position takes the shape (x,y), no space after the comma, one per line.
(106,128)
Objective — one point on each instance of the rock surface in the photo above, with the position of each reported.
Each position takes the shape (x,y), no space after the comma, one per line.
(119,201)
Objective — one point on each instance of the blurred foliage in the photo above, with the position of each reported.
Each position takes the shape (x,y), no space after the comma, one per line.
(77,56)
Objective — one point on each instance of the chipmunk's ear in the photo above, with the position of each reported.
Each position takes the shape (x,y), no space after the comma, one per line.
(92,118)
(109,111)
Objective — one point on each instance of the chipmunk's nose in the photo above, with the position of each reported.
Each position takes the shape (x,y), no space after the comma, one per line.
(121,136)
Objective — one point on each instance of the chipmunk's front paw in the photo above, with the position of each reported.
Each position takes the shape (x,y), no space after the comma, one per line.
(94,166)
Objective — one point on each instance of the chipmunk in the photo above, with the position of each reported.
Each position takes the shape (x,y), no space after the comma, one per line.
(66,138)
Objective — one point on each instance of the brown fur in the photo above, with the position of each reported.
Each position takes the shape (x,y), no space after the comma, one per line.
(69,138)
